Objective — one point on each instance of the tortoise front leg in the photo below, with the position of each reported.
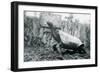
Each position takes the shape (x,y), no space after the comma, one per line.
(59,49)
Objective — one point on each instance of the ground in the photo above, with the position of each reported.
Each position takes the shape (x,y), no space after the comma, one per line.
(47,54)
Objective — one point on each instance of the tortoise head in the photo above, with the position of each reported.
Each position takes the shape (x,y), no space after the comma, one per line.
(50,24)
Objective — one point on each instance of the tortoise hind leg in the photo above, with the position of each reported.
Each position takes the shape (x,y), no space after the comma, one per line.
(81,51)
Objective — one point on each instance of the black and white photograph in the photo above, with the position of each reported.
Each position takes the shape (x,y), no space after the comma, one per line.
(52,36)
